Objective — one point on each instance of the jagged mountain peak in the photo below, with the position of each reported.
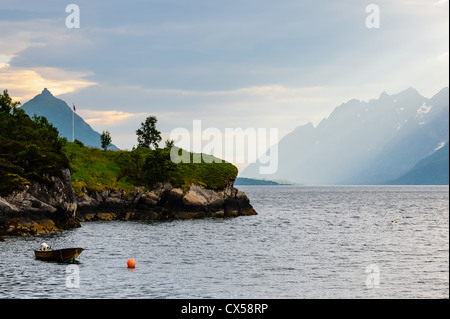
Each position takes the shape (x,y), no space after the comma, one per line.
(383,95)
(409,91)
(364,142)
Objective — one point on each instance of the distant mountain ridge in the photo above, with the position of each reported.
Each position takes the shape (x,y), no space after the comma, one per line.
(361,142)
(432,170)
(260,182)
(59,114)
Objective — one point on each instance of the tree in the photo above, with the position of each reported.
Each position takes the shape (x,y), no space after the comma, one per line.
(106,140)
(30,148)
(6,103)
(132,163)
(148,135)
(169,143)
(158,167)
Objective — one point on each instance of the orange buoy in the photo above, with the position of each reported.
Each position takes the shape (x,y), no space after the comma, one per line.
(131,263)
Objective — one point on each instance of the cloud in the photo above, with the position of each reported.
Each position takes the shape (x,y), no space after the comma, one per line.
(107,118)
(19,72)
(176,106)
(23,84)
(236,63)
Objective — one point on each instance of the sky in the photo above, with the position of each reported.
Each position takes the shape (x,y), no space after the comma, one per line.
(228,63)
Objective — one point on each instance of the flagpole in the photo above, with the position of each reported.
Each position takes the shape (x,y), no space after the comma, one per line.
(73,122)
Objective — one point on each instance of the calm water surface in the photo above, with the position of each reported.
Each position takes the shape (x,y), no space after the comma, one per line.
(306,242)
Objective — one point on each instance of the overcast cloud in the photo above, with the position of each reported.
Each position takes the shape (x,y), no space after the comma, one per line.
(246,63)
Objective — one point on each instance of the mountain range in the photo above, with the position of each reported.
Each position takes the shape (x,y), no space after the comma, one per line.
(433,169)
(60,114)
(394,139)
(379,141)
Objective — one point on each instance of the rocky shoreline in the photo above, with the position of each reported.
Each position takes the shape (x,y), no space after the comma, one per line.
(164,202)
(43,209)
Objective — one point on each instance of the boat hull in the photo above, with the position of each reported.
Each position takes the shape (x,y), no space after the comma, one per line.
(63,255)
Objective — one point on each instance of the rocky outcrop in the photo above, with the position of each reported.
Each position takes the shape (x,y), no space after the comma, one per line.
(164,202)
(40,208)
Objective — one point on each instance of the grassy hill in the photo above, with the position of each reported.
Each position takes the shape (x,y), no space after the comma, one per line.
(31,150)
(93,169)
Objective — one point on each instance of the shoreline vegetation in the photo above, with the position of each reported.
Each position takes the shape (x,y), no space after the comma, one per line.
(96,170)
(49,184)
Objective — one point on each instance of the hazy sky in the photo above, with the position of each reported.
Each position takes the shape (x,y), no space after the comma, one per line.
(228,63)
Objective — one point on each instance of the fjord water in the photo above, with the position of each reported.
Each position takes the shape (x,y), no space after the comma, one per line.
(305,242)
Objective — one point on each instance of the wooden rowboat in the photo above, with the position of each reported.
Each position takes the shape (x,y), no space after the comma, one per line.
(63,255)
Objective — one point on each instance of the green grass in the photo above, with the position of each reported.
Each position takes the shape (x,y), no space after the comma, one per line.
(99,170)
(32,151)
(96,170)
(210,175)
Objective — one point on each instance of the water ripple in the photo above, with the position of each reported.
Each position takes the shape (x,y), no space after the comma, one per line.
(306,242)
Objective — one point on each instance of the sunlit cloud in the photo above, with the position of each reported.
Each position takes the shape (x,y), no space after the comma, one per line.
(24,84)
(110,118)
(280,64)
